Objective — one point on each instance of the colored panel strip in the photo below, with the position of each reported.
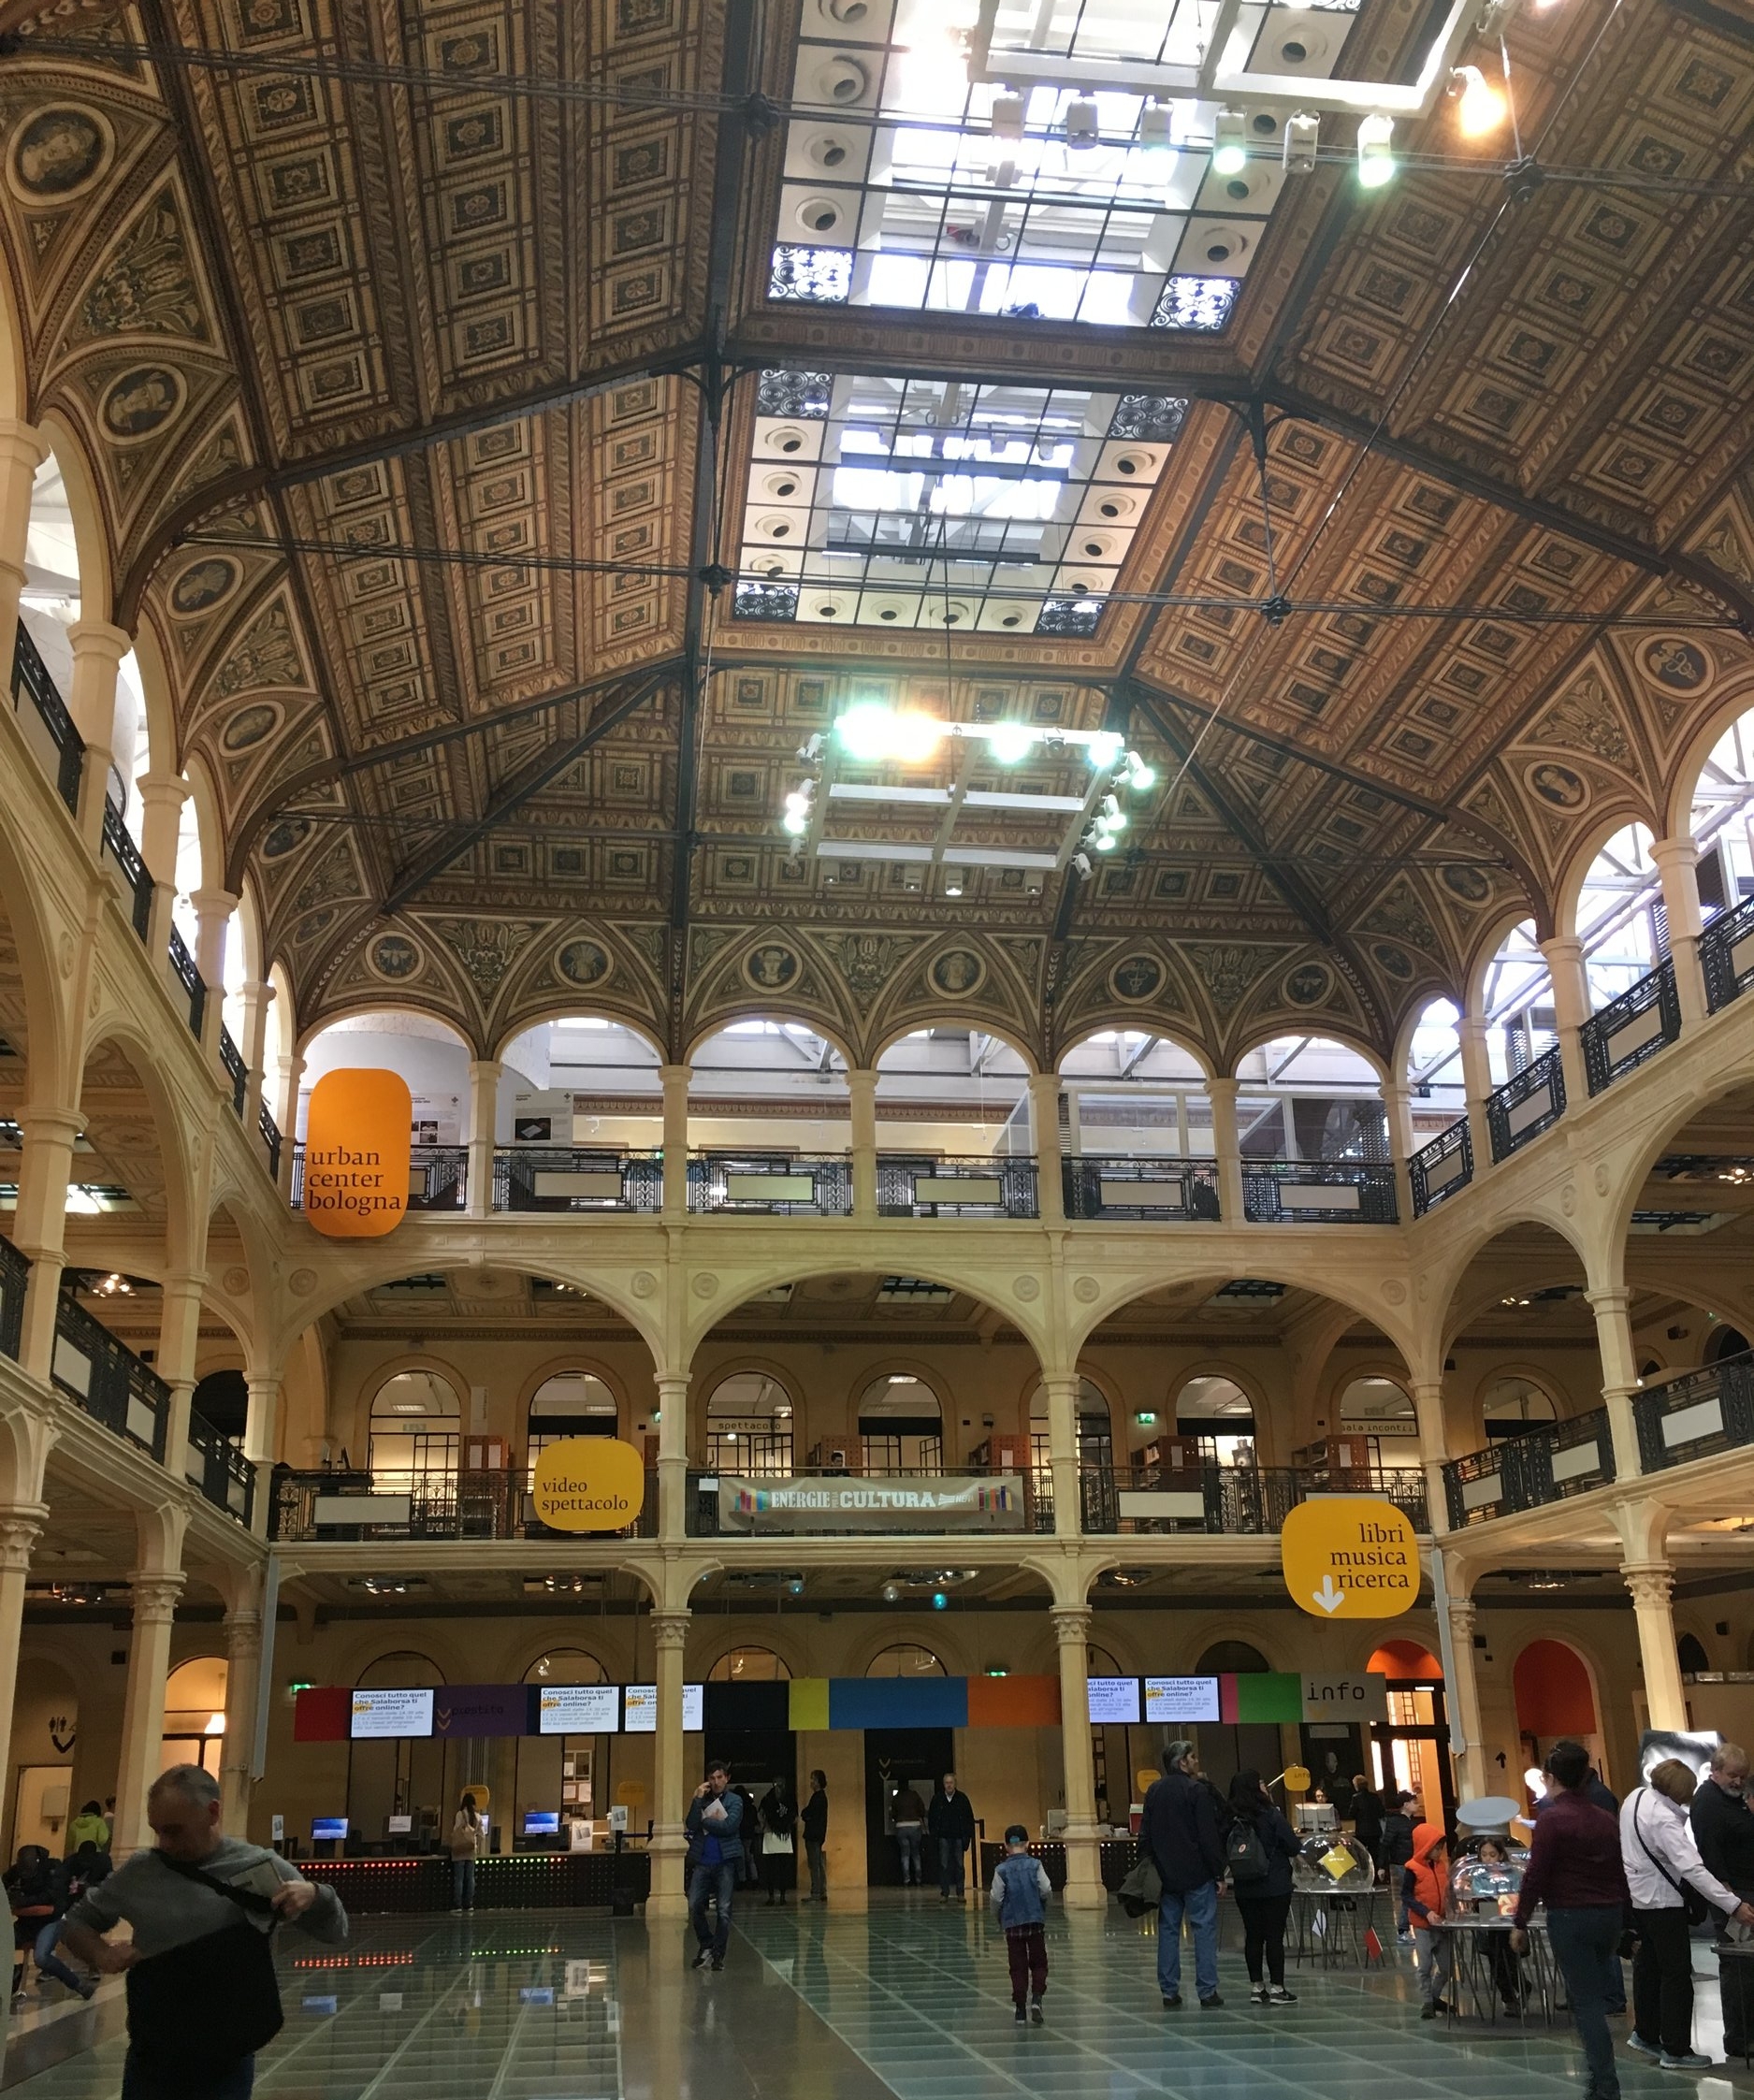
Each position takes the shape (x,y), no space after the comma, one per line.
(1013,1702)
(1227,1699)
(1270,1695)
(898,1703)
(808,1703)
(322,1713)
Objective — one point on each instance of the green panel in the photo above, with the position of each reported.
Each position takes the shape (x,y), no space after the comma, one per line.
(1270,1695)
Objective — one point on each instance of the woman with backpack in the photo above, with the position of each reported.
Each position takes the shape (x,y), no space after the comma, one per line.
(1259,1847)
(778,1820)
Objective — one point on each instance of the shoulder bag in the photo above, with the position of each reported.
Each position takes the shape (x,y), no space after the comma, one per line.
(1692,1904)
(212,2000)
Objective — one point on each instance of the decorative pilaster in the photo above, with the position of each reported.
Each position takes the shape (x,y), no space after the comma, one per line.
(1564,954)
(1062,1389)
(484,1106)
(98,649)
(673,1456)
(39,1227)
(243,1683)
(1462,1695)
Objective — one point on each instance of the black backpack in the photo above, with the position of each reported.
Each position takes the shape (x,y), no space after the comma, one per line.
(1244,1854)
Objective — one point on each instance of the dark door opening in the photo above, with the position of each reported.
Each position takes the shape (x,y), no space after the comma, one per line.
(896,1758)
(757,1757)
(1412,1745)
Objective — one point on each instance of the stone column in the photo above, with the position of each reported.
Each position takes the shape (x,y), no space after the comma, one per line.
(1651,1584)
(1227,1144)
(1476,1064)
(1397,1111)
(21,1527)
(1462,1696)
(673,1455)
(484,1105)
(1620,1375)
(861,1098)
(675,1085)
(669,1896)
(1084,1858)
(179,1330)
(1678,863)
(39,1226)
(290,1078)
(98,649)
(258,998)
(1427,1407)
(212,911)
(156,1591)
(261,1443)
(1044,1132)
(162,797)
(1571,1009)
(1062,1396)
(22,450)
(243,1683)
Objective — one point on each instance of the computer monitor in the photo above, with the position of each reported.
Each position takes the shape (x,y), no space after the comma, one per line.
(399,1826)
(329,1830)
(542,1822)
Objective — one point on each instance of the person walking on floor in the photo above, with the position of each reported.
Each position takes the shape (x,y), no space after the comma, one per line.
(1179,1831)
(779,1844)
(1661,1864)
(1367,1817)
(715,1831)
(1397,1849)
(466,1835)
(907,1814)
(1575,1869)
(814,1822)
(950,1826)
(1259,1847)
(1425,1897)
(1019,1896)
(1723,1830)
(203,1997)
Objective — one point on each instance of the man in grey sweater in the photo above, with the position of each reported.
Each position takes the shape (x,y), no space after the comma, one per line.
(168,1909)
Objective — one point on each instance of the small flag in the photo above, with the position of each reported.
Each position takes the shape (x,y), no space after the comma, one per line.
(1373,1946)
(1318,1924)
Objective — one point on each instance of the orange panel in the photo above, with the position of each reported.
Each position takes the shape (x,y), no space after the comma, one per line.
(356,1155)
(1013,1702)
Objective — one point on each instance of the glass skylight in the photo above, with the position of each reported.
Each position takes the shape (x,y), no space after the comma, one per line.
(899,192)
(916,502)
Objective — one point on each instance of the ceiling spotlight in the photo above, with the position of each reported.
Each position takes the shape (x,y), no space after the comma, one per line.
(1104,842)
(1480,108)
(952,882)
(1083,123)
(1231,143)
(1154,127)
(1103,749)
(1302,134)
(1010,742)
(1008,114)
(891,1593)
(1376,158)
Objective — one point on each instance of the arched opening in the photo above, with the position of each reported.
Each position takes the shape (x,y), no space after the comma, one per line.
(953,1132)
(1228,1748)
(1689,1652)
(567,1404)
(1722,824)
(434,1060)
(901,1425)
(1095,1434)
(1411,1751)
(749,1666)
(749,1426)
(1434,1070)
(1308,1097)
(1129,1094)
(769,1115)
(1554,1698)
(1217,1417)
(1725,1340)
(416,1433)
(1621,921)
(194,1714)
(1379,1409)
(1523,1348)
(905,1658)
(579,1095)
(560,1779)
(404,1776)
(1516,1004)
(1510,1407)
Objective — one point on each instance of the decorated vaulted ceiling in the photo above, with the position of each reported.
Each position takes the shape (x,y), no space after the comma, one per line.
(453,379)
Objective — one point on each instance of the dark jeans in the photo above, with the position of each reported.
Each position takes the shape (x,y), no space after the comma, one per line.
(1264,1934)
(1026,1949)
(910,1843)
(952,1851)
(462,1884)
(818,1869)
(1662,1979)
(778,1869)
(139,2083)
(706,1883)
(1585,1939)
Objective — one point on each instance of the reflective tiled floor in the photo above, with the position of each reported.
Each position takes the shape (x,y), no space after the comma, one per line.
(908,1999)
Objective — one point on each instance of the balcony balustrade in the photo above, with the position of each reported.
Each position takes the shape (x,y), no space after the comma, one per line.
(1299,1192)
(1098,1185)
(438,1177)
(1438,1169)
(353,1507)
(773,1184)
(1726,955)
(577,1178)
(1706,1412)
(224,1476)
(1547,1465)
(1631,1028)
(1214,1499)
(826,1502)
(1529,1102)
(15,1271)
(182,968)
(121,850)
(108,1381)
(236,1071)
(48,725)
(910,1186)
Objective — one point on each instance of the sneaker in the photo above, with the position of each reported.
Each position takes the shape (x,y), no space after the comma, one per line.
(1279,1995)
(1643,2048)
(1257,1994)
(1212,2004)
(88,1991)
(1021,2017)
(1689,2060)
(1434,2008)
(701,1958)
(1403,1939)
(1035,2010)
(718,1963)
(1173,2003)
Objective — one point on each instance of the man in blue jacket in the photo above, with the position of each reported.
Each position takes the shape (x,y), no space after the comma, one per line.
(715,1827)
(1179,1831)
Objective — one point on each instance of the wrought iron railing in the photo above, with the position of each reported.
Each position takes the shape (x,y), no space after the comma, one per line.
(1631,1028)
(108,1381)
(1526,1472)
(65,760)
(236,1070)
(1726,955)
(1439,1168)
(1096,1185)
(577,1178)
(182,968)
(778,1184)
(215,1465)
(438,1177)
(1034,1514)
(1236,1498)
(1707,1412)
(912,1185)
(1529,1102)
(118,843)
(270,1131)
(1319,1191)
(488,1504)
(15,1270)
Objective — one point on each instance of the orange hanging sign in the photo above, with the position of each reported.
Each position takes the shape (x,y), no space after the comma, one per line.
(356,1155)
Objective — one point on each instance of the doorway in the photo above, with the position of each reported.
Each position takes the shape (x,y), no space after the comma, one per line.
(1411,1749)
(896,1758)
(43,1806)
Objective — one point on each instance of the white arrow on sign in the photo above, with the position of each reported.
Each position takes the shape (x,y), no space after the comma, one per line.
(1327,1597)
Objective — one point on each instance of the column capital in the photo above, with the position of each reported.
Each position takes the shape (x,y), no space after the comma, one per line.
(1611,1299)
(219,903)
(1651,1583)
(861,1079)
(485,1066)
(21,1527)
(163,788)
(49,1124)
(1463,1612)
(1071,1624)
(22,443)
(669,1629)
(99,641)
(676,1075)
(669,1382)
(1222,1089)
(243,1635)
(154,1592)
(1681,851)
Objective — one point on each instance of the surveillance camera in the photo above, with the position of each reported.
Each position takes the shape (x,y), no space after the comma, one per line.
(1081,866)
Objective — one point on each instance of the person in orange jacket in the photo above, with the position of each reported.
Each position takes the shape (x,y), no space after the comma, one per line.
(1425,1891)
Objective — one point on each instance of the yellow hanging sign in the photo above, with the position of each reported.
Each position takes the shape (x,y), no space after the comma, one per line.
(1349,1556)
(356,1155)
(587,1484)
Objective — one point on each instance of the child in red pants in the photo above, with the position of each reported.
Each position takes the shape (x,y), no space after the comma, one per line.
(1019,1896)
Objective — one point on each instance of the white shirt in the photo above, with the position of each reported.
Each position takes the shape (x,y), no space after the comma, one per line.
(1648,1819)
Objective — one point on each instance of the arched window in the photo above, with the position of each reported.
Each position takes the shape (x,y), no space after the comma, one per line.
(901,1425)
(1725,1342)
(562,1774)
(1689,1652)
(1512,1406)
(1129,1092)
(1220,1417)
(572,1404)
(749,1425)
(1096,1432)
(1434,1067)
(1620,918)
(1721,822)
(1518,1004)
(416,1420)
(1231,1658)
(905,1659)
(749,1666)
(194,1714)
(1376,1407)
(1307,1097)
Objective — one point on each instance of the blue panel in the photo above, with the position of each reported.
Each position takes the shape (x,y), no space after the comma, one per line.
(898,1703)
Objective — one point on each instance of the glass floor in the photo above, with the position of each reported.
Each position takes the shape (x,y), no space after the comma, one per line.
(910,2000)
